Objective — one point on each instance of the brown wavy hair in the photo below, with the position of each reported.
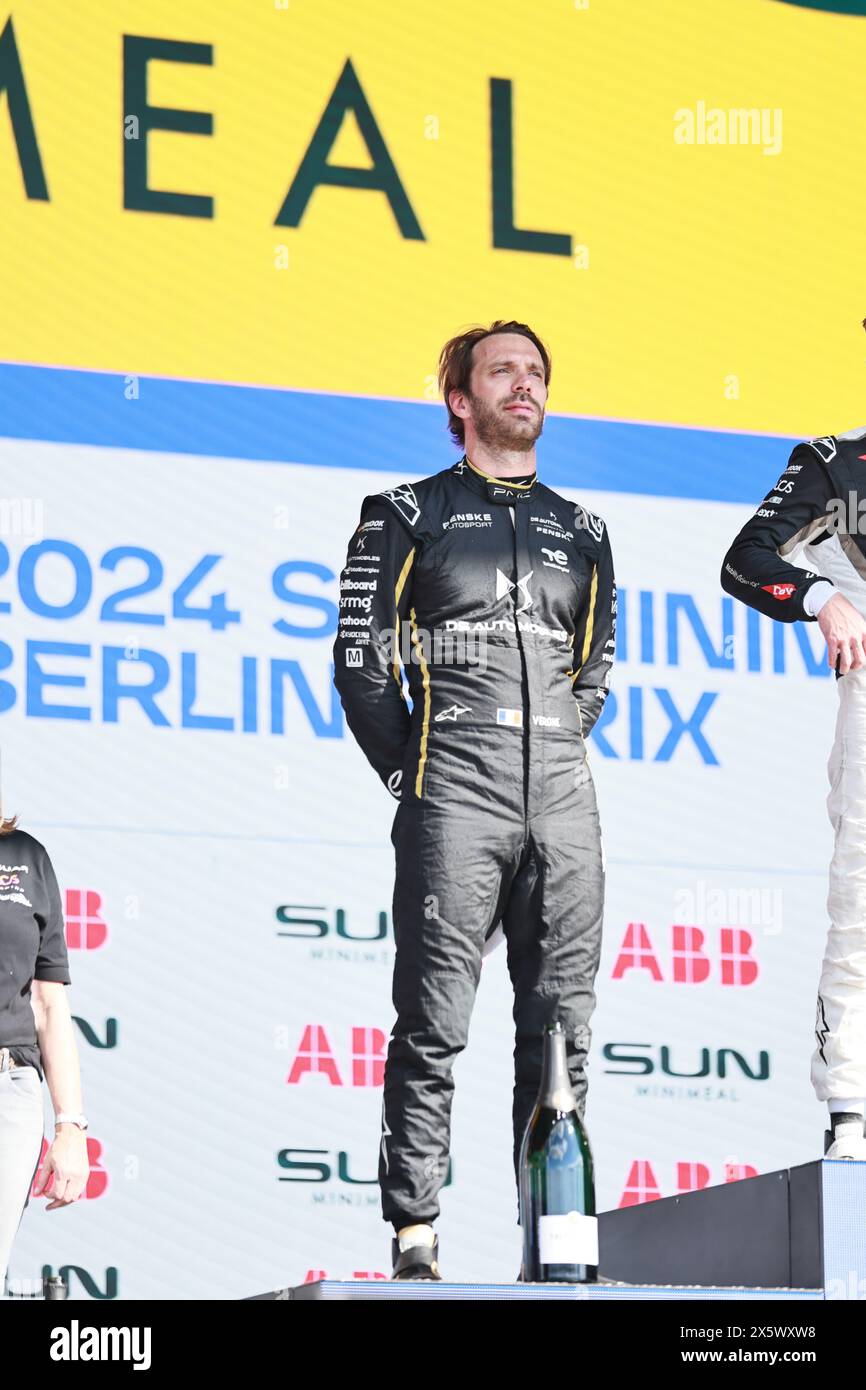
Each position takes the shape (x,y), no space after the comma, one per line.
(455,364)
(7,826)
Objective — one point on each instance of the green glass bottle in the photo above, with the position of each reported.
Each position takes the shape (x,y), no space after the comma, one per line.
(557,1186)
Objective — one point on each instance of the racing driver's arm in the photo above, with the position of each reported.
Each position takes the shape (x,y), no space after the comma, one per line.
(595,639)
(797,511)
(375,586)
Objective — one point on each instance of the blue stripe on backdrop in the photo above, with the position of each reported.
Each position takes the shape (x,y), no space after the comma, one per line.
(404,437)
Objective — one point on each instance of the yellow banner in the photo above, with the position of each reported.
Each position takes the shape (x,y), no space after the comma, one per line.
(317,193)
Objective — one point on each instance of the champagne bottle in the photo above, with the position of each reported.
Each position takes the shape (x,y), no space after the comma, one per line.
(557,1187)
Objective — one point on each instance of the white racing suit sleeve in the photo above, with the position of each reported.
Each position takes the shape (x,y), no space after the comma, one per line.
(820,593)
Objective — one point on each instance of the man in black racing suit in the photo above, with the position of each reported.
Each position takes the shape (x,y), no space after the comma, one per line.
(502,598)
(814,513)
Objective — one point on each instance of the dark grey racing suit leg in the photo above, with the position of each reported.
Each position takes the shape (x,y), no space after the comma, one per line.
(553,931)
(451,877)
(458,874)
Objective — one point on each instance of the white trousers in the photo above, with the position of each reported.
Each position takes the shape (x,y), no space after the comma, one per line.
(21,1131)
(839,1060)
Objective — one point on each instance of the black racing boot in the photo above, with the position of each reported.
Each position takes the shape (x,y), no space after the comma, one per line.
(846,1137)
(418,1262)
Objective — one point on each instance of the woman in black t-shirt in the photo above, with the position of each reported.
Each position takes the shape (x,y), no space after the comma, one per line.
(36,1031)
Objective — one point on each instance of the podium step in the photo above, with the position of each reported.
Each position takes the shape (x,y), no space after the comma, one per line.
(797,1233)
(802,1227)
(372,1289)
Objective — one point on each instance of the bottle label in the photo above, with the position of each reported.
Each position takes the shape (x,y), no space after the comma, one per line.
(569,1239)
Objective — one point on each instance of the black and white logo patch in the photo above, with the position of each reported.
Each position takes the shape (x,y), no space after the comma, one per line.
(404,499)
(825,448)
(505,586)
(452,712)
(556,559)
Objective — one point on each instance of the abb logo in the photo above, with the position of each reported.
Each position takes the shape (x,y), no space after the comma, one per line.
(97,1182)
(642,1184)
(86,929)
(779,590)
(312,1276)
(315,1054)
(690,962)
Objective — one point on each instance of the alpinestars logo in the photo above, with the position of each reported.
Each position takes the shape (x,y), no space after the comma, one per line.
(506,586)
(405,501)
(825,448)
(451,713)
(386,1134)
(822,1028)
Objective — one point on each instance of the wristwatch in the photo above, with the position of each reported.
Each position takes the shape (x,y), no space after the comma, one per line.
(67,1118)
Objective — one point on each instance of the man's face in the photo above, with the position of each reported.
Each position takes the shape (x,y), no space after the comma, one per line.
(507,392)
